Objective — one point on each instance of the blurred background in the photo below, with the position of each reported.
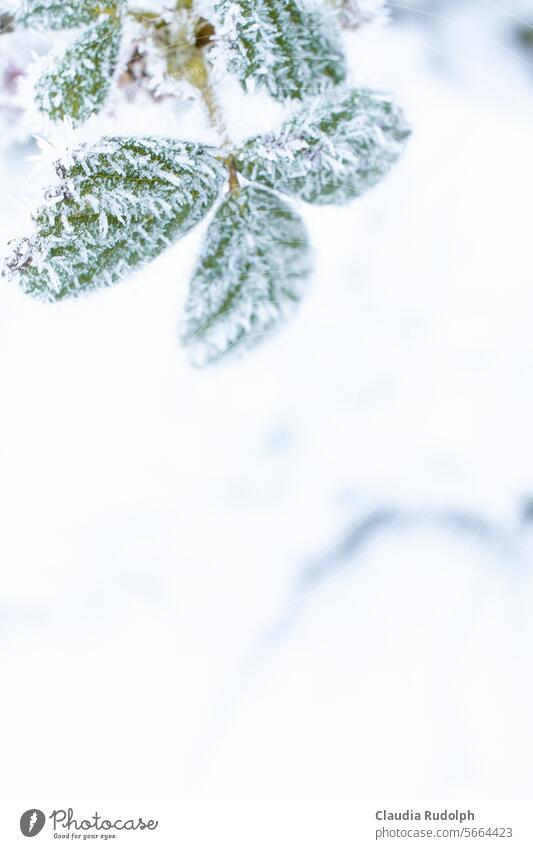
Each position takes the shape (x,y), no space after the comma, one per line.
(306,574)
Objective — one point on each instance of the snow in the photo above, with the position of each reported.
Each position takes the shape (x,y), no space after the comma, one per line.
(160,637)
(357,13)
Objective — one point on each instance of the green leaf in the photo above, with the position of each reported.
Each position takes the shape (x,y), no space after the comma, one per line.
(290,47)
(79,84)
(64,14)
(120,203)
(250,276)
(331,150)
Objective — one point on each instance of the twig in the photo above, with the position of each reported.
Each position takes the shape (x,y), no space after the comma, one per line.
(7,22)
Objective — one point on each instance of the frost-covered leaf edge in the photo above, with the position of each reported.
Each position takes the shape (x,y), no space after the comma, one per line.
(64,14)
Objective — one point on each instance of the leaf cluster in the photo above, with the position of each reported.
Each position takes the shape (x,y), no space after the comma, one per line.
(120,202)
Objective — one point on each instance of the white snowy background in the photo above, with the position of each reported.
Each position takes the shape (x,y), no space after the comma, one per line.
(307,574)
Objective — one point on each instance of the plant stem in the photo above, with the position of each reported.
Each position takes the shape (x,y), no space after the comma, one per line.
(210,99)
(197,72)
(234,186)
(6,22)
(191,67)
(216,118)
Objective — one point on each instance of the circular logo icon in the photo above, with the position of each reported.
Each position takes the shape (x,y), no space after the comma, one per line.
(32,822)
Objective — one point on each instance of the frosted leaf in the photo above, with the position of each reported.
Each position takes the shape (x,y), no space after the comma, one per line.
(290,47)
(250,276)
(78,85)
(330,151)
(63,14)
(120,203)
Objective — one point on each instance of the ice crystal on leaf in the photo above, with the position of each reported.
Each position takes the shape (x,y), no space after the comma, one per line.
(289,47)
(64,14)
(250,276)
(331,150)
(120,203)
(78,85)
